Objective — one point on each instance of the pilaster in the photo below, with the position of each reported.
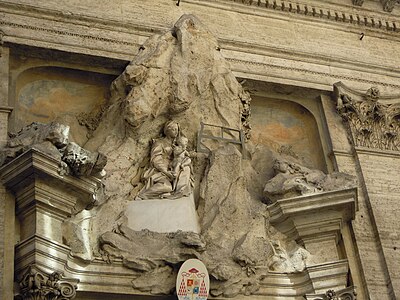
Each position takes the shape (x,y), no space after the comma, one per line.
(7,219)
(4,83)
(44,199)
(373,127)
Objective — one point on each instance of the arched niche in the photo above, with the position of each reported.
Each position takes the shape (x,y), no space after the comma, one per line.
(289,128)
(69,96)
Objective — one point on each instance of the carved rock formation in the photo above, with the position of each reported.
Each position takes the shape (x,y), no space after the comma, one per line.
(238,248)
(53,140)
(181,76)
(282,260)
(49,138)
(145,250)
(233,225)
(293,180)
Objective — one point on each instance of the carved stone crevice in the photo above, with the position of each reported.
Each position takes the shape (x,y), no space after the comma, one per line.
(1,42)
(345,294)
(35,283)
(374,121)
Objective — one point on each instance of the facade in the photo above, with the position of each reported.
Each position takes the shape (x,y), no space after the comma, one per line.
(297,200)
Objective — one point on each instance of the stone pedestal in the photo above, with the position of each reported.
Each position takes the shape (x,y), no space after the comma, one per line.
(163,215)
(315,221)
(44,199)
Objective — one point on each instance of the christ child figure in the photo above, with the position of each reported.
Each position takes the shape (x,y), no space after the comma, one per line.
(181,157)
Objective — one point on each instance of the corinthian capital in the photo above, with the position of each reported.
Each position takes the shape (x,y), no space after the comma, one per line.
(374,121)
(358,2)
(39,285)
(388,5)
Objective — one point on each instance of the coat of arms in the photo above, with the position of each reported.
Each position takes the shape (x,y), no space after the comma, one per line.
(193,281)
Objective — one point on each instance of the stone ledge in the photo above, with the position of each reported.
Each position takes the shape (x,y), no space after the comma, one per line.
(341,200)
(41,251)
(100,277)
(34,162)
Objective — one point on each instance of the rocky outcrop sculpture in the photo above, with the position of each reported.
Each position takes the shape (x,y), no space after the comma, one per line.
(293,180)
(282,260)
(180,80)
(53,140)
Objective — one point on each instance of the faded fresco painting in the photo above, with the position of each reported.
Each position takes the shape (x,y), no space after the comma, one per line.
(289,129)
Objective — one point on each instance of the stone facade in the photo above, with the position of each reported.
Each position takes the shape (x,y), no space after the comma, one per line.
(261,137)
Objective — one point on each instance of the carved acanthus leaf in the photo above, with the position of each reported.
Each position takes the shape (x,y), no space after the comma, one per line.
(358,2)
(374,121)
(388,5)
(38,285)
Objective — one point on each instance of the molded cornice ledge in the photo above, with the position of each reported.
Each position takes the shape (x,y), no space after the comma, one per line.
(315,279)
(41,165)
(337,13)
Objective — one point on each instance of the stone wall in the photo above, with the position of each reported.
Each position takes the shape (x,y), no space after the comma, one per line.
(382,179)
(285,51)
(373,275)
(315,44)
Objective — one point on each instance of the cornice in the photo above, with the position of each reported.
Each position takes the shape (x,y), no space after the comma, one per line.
(99,277)
(308,204)
(46,28)
(336,14)
(67,33)
(76,19)
(35,162)
(108,37)
(377,152)
(236,61)
(6,109)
